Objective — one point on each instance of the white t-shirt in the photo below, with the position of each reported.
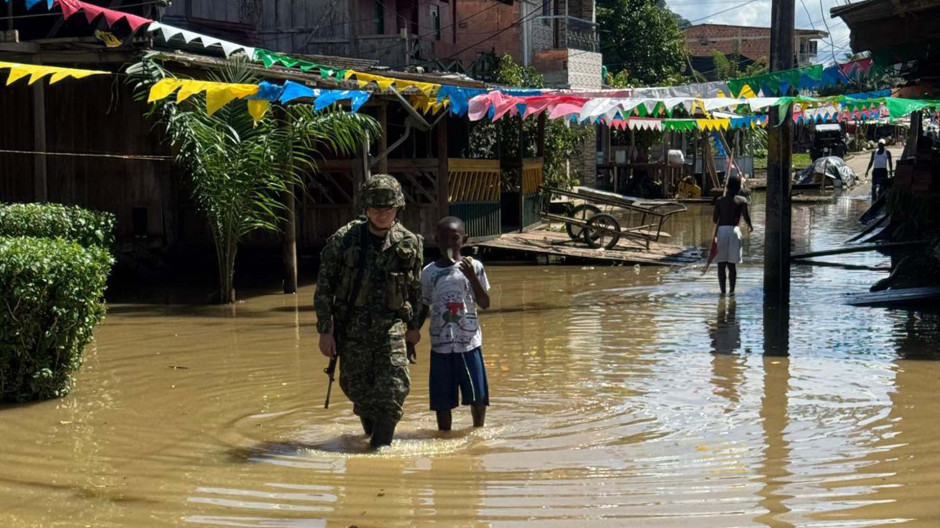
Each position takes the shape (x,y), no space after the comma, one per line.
(454,326)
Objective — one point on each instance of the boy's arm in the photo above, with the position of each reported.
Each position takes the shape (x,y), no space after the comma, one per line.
(715,214)
(870,162)
(890,162)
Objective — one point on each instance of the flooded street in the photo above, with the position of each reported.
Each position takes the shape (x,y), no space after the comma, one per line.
(621,396)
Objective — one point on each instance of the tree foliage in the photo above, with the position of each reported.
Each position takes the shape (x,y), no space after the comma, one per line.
(642,37)
(733,66)
(241,172)
(502,138)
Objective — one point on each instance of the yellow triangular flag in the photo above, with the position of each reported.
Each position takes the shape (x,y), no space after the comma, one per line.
(38,72)
(189,88)
(220,94)
(163,89)
(257,109)
(15,75)
(384,83)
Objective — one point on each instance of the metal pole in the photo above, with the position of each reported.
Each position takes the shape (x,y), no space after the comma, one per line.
(779,151)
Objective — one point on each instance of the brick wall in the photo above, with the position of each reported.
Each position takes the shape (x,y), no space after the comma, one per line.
(479,19)
(752,42)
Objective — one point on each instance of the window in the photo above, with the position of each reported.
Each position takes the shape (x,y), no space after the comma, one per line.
(546,11)
(436,21)
(378,17)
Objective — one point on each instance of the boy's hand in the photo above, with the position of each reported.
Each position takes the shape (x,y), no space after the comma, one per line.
(466,267)
(413,337)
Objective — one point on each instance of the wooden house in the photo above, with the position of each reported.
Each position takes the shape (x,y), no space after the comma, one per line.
(88,142)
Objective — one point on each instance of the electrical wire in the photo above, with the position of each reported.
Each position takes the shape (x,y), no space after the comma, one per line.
(505,29)
(832,43)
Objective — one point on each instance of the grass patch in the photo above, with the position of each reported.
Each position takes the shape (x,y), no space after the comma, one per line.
(800,160)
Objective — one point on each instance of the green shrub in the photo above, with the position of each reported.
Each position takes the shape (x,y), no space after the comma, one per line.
(50,301)
(46,220)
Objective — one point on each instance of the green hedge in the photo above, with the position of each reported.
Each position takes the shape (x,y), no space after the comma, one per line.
(50,301)
(46,220)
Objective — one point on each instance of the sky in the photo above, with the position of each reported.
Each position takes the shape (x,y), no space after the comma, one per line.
(757,13)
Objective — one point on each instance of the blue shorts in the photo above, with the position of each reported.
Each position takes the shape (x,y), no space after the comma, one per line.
(450,371)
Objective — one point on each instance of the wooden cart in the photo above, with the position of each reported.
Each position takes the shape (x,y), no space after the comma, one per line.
(600,229)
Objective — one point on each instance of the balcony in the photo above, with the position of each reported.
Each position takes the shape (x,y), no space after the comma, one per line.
(565,32)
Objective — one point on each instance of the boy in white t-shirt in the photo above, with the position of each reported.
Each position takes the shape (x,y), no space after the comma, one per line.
(452,288)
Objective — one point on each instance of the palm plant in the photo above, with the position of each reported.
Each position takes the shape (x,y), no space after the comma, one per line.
(241,171)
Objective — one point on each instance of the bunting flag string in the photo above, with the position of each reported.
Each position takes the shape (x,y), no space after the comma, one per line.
(459,97)
(218,94)
(169,32)
(778,82)
(270,58)
(384,83)
(71,7)
(259,95)
(38,71)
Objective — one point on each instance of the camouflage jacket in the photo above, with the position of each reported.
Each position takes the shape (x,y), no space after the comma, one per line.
(391,281)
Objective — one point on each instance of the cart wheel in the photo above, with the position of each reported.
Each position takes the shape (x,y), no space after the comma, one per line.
(582,213)
(602,230)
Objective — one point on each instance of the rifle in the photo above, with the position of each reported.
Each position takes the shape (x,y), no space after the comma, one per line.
(330,369)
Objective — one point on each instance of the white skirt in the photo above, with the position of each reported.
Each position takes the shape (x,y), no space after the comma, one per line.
(729,244)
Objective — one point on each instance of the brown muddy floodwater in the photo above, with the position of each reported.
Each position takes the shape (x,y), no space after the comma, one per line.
(621,397)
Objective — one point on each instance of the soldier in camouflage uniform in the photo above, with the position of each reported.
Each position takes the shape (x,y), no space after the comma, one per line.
(367,299)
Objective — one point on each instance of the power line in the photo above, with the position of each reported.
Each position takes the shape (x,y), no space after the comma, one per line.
(434,31)
(808,15)
(832,43)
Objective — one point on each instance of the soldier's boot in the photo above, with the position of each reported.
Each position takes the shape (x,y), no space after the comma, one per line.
(382,433)
(367,425)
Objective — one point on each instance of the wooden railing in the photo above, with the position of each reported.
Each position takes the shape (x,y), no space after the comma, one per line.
(473,180)
(473,195)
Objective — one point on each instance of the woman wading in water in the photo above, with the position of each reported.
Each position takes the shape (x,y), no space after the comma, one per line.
(727,215)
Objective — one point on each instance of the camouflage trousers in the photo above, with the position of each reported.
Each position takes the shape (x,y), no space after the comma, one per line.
(373,371)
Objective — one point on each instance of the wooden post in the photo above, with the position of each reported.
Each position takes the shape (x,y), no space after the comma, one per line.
(522,174)
(779,151)
(443,171)
(382,145)
(40,173)
(540,138)
(289,222)
(289,245)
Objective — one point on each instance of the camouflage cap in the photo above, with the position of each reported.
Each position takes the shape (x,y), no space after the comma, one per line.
(382,190)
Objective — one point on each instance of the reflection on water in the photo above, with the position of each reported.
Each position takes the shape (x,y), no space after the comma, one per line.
(621,396)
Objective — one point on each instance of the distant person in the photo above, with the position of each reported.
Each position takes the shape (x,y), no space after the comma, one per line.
(452,289)
(881,160)
(727,215)
(688,188)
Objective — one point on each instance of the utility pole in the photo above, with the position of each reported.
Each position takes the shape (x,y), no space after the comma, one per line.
(779,150)
(778,214)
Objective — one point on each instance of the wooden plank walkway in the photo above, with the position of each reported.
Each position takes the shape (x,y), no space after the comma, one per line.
(891,297)
(627,251)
